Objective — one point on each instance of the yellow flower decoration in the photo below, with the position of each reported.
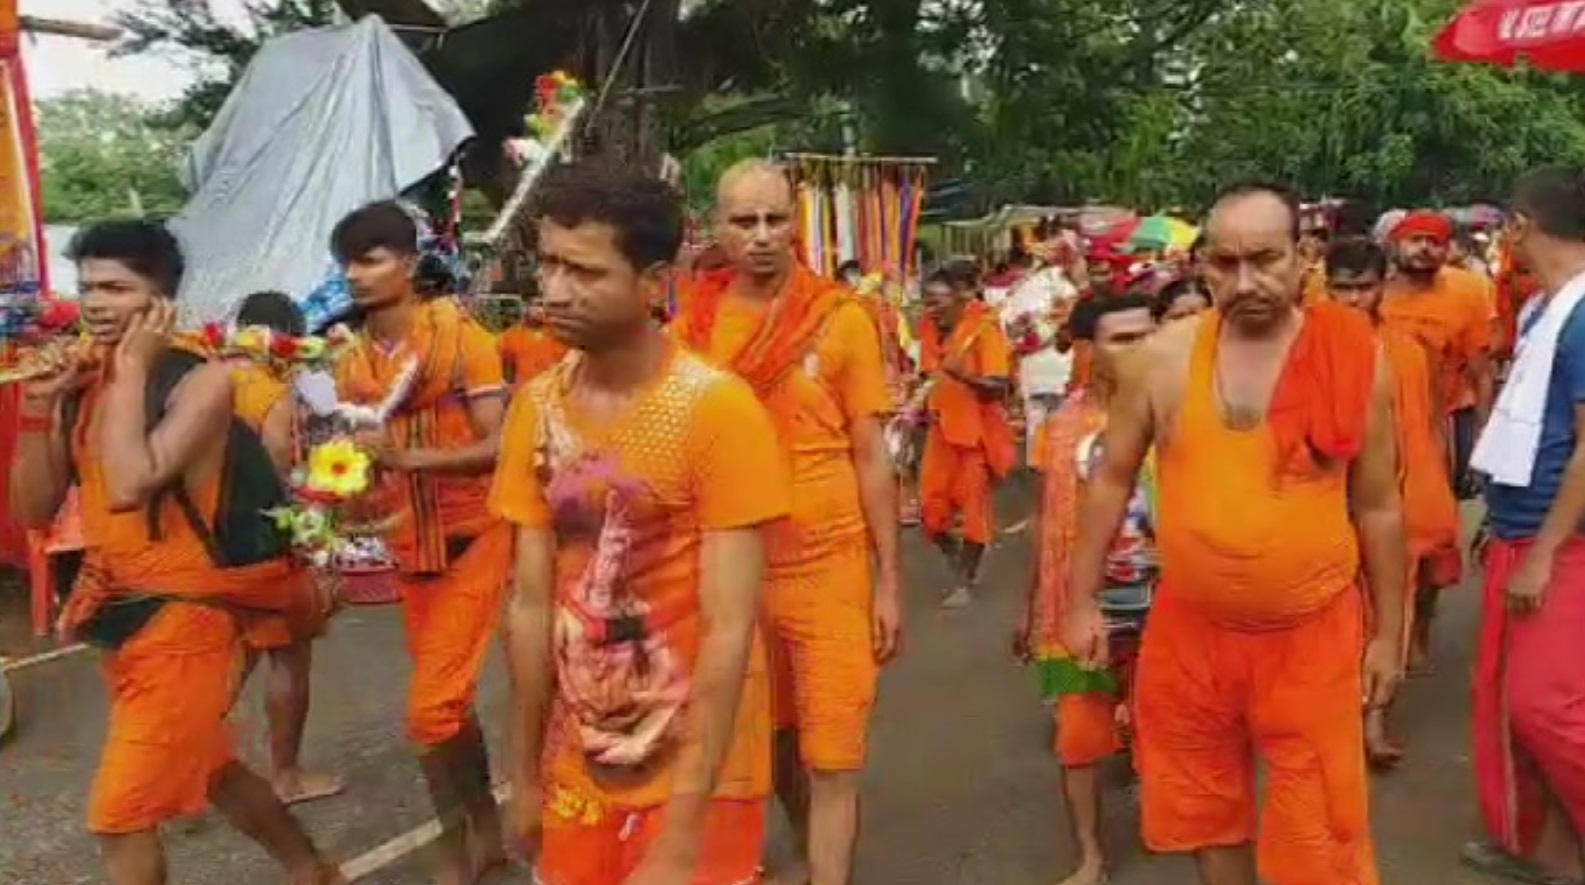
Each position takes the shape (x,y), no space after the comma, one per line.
(338,468)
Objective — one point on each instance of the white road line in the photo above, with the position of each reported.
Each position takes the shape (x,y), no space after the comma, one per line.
(383,855)
(43,658)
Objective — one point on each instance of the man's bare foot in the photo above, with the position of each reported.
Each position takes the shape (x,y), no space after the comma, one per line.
(486,852)
(1380,751)
(1087,874)
(794,873)
(295,787)
(1418,661)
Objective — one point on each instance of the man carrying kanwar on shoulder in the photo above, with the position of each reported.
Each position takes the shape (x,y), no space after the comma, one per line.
(1529,677)
(641,482)
(1089,702)
(163,582)
(435,377)
(265,402)
(1356,275)
(1276,474)
(812,353)
(969,445)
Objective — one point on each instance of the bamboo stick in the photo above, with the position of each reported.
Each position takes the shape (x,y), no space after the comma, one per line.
(78,30)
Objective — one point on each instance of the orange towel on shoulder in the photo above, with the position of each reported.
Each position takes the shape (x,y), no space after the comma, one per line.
(1322,397)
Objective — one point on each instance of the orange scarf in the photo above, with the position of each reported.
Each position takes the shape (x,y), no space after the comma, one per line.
(789,331)
(1323,396)
(365,376)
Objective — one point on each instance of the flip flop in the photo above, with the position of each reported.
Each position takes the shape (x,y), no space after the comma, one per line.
(330,786)
(1488,859)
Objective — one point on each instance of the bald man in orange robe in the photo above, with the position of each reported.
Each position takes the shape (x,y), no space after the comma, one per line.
(1276,467)
(812,352)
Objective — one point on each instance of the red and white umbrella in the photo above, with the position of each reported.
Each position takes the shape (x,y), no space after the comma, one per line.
(1545,34)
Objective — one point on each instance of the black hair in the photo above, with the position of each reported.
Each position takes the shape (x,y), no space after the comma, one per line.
(645,212)
(937,277)
(1089,312)
(273,309)
(1553,197)
(147,248)
(961,273)
(849,266)
(382,225)
(1251,187)
(1172,292)
(1356,256)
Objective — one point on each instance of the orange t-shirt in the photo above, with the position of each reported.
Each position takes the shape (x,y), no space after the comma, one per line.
(526,351)
(1456,320)
(981,345)
(842,380)
(457,361)
(694,453)
(1430,513)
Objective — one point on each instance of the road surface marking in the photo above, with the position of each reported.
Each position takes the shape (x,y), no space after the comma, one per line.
(43,658)
(383,855)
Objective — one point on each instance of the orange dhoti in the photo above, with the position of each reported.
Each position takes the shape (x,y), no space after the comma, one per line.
(1087,732)
(955,480)
(817,624)
(1207,694)
(170,688)
(450,620)
(586,844)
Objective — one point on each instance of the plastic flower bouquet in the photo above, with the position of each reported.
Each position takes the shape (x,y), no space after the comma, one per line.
(281,352)
(335,473)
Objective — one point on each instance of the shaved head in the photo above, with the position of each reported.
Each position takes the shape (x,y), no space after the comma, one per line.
(755,218)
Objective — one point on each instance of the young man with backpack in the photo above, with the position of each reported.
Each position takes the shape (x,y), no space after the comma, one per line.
(162,587)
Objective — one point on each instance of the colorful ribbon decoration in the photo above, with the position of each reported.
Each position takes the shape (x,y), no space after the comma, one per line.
(858,208)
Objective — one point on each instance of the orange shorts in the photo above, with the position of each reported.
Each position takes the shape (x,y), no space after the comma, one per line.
(823,669)
(170,689)
(1087,732)
(952,481)
(604,847)
(450,622)
(1206,695)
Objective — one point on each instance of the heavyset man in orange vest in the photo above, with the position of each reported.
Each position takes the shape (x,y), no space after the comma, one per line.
(1277,476)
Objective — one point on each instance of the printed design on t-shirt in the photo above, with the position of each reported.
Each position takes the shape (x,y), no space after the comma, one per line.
(1131,560)
(617,671)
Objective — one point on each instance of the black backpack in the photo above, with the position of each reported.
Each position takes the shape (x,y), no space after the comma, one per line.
(241,534)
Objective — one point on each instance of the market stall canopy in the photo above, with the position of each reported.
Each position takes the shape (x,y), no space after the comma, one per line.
(322,122)
(1546,34)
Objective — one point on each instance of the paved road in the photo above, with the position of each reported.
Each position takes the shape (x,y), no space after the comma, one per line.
(962,791)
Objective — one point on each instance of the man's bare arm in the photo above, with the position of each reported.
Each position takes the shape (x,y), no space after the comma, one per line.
(276,434)
(40,470)
(985,387)
(1130,428)
(1482,373)
(137,463)
(485,413)
(1036,520)
(877,495)
(1378,508)
(729,590)
(529,617)
(1568,508)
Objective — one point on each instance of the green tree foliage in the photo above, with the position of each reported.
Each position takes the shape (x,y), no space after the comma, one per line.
(1148,102)
(101,156)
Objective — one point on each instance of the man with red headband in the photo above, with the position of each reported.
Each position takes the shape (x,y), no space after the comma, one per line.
(1453,313)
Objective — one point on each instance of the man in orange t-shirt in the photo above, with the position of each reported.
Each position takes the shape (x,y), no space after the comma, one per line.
(437,376)
(969,446)
(527,348)
(640,481)
(812,353)
(1276,479)
(1453,312)
(1356,271)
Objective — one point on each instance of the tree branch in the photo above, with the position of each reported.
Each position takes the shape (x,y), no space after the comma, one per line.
(751,114)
